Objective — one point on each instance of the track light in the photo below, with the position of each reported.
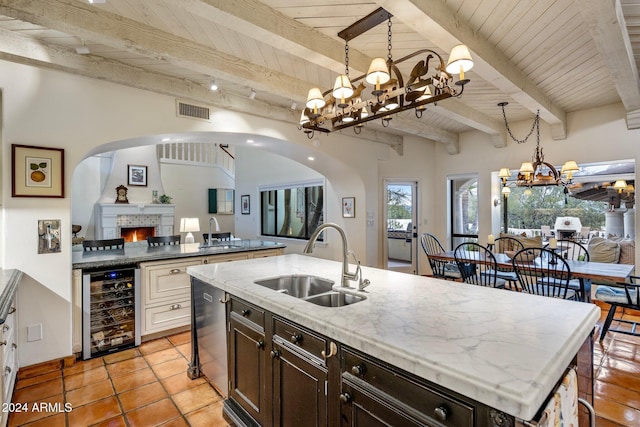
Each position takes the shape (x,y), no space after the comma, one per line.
(213,86)
(252,94)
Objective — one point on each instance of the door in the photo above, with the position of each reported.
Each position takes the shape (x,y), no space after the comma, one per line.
(400,222)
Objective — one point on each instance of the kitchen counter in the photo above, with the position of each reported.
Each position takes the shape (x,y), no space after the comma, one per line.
(137,252)
(504,349)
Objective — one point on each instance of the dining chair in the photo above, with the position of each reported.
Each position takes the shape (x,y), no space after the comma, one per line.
(477,265)
(440,269)
(103,245)
(543,272)
(584,234)
(502,245)
(572,250)
(216,236)
(163,240)
(620,295)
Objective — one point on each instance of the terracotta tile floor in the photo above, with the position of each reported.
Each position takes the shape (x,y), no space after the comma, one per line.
(148,386)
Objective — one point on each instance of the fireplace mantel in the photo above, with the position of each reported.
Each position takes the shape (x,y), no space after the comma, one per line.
(110,215)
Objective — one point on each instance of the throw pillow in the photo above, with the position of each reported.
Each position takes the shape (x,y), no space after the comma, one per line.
(603,250)
(627,251)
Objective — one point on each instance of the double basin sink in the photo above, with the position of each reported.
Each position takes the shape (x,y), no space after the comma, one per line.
(313,289)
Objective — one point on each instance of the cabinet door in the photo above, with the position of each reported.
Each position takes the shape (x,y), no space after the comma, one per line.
(299,389)
(247,368)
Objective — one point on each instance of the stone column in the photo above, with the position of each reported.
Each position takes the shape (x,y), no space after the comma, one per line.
(630,223)
(613,223)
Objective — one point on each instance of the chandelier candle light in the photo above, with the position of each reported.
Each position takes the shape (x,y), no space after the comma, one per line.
(536,172)
(345,106)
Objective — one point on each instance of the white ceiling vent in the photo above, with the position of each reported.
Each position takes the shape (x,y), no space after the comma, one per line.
(192,111)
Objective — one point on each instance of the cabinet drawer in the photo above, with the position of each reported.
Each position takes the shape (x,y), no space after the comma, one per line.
(300,337)
(250,312)
(167,281)
(391,385)
(167,316)
(226,258)
(266,253)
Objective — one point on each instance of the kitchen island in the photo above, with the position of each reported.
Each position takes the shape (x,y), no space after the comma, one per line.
(504,349)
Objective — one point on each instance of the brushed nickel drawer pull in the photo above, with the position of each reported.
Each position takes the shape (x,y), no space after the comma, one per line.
(3,342)
(5,327)
(333,350)
(12,310)
(175,306)
(175,271)
(7,370)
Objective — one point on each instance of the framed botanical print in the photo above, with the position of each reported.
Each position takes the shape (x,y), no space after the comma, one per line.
(244,205)
(37,171)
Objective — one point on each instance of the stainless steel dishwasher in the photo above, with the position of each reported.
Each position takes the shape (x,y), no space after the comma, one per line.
(210,334)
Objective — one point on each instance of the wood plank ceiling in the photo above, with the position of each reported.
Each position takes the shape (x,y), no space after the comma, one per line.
(554,56)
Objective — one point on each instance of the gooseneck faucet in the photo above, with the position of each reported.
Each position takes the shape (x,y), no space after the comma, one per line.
(346,274)
(209,242)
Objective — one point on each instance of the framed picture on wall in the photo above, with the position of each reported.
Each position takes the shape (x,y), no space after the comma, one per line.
(348,207)
(244,205)
(37,171)
(137,175)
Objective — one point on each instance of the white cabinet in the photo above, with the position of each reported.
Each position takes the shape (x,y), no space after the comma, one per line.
(9,357)
(166,301)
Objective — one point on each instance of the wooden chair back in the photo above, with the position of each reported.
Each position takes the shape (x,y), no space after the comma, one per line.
(102,245)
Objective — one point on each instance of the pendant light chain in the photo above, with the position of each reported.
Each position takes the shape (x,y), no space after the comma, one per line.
(346,58)
(389,41)
(535,126)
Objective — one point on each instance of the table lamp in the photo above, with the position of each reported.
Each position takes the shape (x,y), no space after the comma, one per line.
(187,225)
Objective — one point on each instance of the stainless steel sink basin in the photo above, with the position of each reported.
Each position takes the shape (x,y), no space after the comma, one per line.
(297,285)
(334,299)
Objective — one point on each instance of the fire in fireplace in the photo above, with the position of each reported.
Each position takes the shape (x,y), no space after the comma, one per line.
(135,234)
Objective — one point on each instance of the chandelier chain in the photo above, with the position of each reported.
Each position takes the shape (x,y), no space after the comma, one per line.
(346,58)
(389,41)
(534,126)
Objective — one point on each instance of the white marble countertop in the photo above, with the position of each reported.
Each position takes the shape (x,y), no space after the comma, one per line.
(502,348)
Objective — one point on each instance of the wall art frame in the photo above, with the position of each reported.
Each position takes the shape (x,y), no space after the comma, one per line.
(137,175)
(348,207)
(245,206)
(37,171)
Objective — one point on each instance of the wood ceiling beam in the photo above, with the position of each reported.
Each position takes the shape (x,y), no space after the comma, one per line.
(27,51)
(436,22)
(607,26)
(90,24)
(76,18)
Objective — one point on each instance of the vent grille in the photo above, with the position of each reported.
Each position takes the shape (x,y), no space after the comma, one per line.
(192,111)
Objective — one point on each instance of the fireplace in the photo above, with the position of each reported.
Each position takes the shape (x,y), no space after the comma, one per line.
(135,234)
(114,219)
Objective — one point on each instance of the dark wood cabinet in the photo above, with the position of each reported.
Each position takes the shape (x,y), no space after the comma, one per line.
(248,361)
(299,389)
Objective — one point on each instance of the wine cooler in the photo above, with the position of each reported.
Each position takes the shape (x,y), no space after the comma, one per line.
(110,311)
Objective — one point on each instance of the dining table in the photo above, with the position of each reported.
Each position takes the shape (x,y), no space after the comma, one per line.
(596,272)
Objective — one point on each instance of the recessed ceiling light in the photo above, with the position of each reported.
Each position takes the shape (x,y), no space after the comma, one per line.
(213,85)
(311,158)
(166,139)
(252,94)
(250,141)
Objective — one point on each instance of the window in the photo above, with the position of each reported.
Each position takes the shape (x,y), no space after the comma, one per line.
(292,211)
(463,199)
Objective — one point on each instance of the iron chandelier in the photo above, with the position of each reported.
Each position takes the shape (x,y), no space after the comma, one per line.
(346,106)
(536,172)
